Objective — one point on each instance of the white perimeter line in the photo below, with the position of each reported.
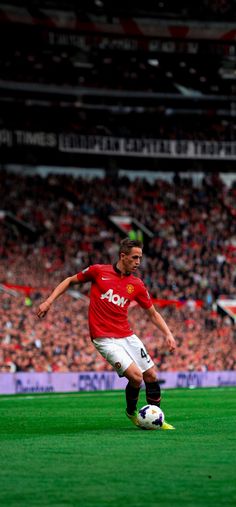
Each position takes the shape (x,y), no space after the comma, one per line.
(57,395)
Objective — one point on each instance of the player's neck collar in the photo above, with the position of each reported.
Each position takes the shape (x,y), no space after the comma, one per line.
(117,270)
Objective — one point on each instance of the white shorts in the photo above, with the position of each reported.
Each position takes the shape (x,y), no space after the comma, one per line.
(121,352)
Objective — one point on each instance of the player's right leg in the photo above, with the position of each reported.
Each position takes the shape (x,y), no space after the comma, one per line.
(153,392)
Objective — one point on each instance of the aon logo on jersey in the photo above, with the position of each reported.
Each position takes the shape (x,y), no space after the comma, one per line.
(114,298)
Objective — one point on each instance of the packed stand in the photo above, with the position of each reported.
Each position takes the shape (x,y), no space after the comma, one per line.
(61,342)
(191,257)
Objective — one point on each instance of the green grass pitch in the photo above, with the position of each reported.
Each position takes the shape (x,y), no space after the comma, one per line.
(80,450)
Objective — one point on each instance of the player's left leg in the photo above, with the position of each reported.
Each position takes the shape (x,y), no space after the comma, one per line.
(153,392)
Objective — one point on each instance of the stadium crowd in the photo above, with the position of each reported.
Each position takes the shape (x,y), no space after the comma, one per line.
(61,342)
(59,225)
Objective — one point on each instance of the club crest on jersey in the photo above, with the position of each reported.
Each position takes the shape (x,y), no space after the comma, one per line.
(114,298)
(130,288)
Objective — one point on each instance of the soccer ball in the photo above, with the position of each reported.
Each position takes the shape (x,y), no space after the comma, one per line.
(150,417)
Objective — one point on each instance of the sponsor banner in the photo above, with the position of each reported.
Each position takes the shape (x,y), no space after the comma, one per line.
(153,148)
(132,44)
(24,382)
(108,145)
(18,138)
(35,383)
(197,379)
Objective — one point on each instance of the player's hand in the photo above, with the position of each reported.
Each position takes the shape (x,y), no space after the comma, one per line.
(171,342)
(43,309)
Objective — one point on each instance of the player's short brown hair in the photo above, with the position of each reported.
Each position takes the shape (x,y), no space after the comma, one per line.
(127,244)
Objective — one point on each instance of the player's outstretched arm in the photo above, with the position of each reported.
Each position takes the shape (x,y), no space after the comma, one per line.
(158,320)
(58,291)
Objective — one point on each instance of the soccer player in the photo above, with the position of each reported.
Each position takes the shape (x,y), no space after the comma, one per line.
(113,288)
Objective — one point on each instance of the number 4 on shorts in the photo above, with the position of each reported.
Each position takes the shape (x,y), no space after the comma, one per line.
(144,354)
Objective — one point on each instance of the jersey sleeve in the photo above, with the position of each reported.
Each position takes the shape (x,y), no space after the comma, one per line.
(143,297)
(88,274)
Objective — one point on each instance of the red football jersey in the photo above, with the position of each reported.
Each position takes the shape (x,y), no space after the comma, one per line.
(110,296)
